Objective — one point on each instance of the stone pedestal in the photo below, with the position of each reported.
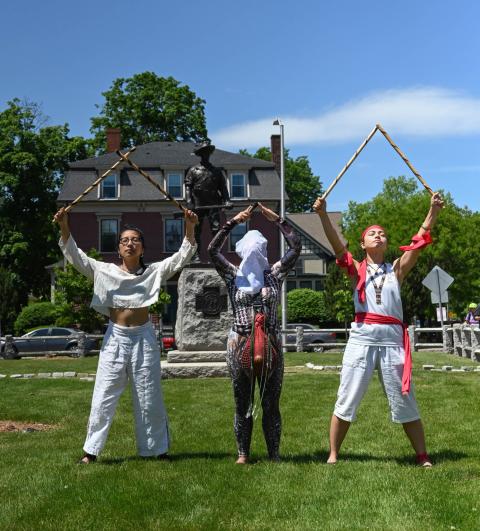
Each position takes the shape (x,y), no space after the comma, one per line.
(204,317)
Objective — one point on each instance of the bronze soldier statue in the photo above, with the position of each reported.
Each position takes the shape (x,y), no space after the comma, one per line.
(205,185)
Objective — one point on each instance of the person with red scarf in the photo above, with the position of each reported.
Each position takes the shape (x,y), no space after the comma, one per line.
(378,337)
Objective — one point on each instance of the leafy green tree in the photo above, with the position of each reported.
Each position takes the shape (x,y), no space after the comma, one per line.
(306,305)
(338,295)
(401,209)
(149,108)
(9,300)
(301,185)
(73,295)
(33,159)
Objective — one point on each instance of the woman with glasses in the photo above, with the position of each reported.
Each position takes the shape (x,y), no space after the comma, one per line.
(129,350)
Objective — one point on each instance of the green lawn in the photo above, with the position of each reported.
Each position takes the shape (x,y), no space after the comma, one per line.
(374,486)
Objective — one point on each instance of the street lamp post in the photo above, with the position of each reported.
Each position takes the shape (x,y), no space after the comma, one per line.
(282,240)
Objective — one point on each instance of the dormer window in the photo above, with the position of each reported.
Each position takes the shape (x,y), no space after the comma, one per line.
(175,184)
(238,186)
(109,187)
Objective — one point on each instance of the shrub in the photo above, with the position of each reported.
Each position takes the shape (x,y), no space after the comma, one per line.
(306,305)
(34,315)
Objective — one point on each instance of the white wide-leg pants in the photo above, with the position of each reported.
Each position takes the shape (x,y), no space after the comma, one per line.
(129,353)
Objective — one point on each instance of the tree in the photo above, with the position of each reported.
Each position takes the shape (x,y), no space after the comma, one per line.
(301,185)
(33,159)
(338,295)
(401,208)
(149,108)
(9,300)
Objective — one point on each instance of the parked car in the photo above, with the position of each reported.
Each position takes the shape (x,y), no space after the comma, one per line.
(49,339)
(318,337)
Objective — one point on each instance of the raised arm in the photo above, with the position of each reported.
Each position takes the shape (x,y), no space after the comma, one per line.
(61,217)
(225,268)
(320,207)
(407,261)
(82,263)
(173,264)
(287,261)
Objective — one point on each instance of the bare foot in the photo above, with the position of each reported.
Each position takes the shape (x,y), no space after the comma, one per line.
(87,459)
(242,460)
(332,459)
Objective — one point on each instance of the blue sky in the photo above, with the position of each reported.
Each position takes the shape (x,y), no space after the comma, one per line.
(329,70)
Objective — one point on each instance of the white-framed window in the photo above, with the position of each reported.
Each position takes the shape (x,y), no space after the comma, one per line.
(175,184)
(173,236)
(237,233)
(109,187)
(238,186)
(108,235)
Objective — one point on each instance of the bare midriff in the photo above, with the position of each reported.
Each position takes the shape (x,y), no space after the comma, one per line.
(129,316)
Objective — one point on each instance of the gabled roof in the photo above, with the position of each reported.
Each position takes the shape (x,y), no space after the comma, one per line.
(158,157)
(172,154)
(310,225)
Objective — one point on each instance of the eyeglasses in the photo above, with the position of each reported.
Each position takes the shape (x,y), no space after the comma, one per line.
(134,240)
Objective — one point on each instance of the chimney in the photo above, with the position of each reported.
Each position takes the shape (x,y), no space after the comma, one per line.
(276,149)
(113,139)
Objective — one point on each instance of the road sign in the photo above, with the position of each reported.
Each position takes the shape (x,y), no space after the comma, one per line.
(437,280)
(437,300)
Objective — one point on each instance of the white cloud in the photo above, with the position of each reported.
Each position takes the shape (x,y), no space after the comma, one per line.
(427,111)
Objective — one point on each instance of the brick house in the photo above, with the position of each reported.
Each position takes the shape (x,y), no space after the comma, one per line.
(127,197)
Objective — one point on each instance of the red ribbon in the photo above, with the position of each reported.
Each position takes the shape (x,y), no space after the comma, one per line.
(418,242)
(376,318)
(346,262)
(260,346)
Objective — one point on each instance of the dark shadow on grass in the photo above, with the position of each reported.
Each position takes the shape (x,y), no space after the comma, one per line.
(437,458)
(171,458)
(322,456)
(319,456)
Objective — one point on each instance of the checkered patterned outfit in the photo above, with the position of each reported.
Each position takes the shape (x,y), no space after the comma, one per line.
(243,314)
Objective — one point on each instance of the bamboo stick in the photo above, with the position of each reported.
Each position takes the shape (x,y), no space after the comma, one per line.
(407,162)
(150,179)
(349,163)
(100,179)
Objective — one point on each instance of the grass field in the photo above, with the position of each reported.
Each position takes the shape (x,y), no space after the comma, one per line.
(374,486)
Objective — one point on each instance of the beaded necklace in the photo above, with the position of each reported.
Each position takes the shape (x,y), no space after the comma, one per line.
(378,289)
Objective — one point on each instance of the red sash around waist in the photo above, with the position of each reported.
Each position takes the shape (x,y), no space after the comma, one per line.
(376,318)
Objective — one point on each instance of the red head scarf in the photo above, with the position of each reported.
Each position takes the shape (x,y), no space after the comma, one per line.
(372,227)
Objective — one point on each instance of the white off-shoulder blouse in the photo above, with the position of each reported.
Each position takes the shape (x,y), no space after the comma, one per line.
(115,288)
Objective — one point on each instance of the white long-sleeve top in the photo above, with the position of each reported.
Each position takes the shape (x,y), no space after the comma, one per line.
(115,288)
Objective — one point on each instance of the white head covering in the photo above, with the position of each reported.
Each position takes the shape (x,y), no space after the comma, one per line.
(252,249)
